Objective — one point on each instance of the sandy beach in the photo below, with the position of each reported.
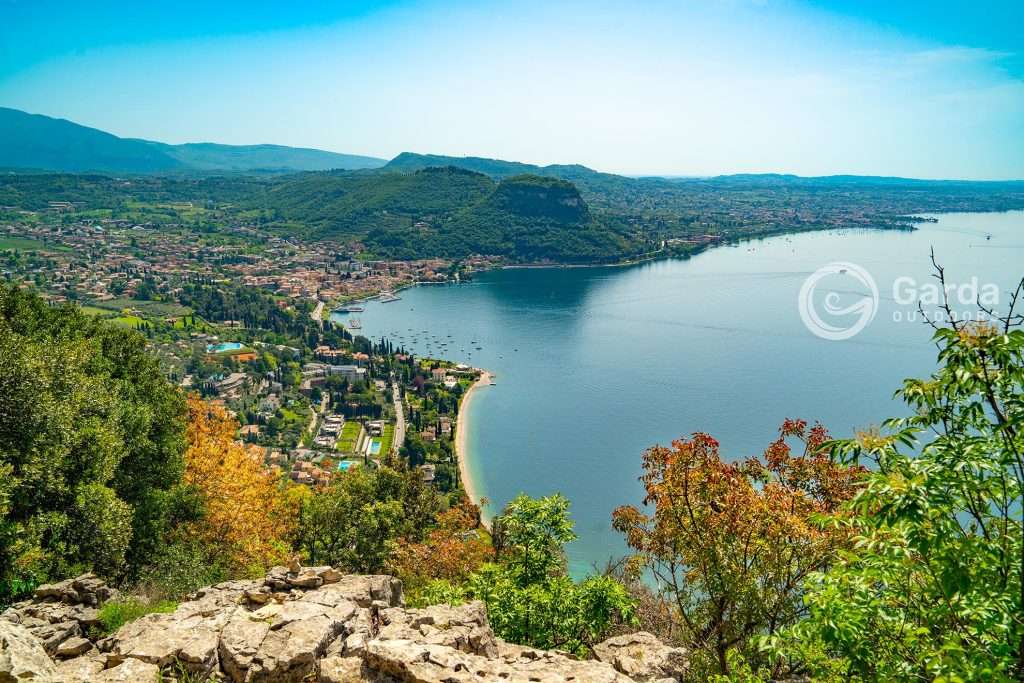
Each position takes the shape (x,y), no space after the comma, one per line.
(462,436)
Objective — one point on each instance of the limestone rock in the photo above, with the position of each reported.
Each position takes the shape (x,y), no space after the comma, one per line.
(643,657)
(306,579)
(464,628)
(189,640)
(411,662)
(73,647)
(86,589)
(79,669)
(22,657)
(296,640)
(300,624)
(61,611)
(342,670)
(260,596)
(53,635)
(130,671)
(365,590)
(328,574)
(240,642)
(277,579)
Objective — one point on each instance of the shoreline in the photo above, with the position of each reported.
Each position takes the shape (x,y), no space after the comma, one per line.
(661,254)
(461,441)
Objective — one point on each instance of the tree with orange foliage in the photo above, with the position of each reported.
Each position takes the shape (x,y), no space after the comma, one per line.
(729,544)
(452,551)
(247,515)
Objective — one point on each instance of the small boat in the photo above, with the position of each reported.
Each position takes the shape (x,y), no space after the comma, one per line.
(354,324)
(349,309)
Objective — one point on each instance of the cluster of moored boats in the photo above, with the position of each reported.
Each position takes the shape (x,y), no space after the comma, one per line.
(431,343)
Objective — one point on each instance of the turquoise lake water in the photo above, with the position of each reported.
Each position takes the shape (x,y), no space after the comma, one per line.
(593,365)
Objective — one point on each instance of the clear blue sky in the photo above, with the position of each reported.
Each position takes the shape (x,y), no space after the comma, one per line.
(926,89)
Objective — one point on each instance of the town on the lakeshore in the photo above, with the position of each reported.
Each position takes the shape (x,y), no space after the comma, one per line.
(243,318)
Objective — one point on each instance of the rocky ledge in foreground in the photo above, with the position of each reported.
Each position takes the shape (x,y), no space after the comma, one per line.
(298,624)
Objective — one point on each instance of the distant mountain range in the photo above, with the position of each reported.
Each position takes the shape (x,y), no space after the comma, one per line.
(36,142)
(33,142)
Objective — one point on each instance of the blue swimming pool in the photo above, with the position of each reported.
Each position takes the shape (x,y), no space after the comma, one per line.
(222,347)
(345,465)
(375,447)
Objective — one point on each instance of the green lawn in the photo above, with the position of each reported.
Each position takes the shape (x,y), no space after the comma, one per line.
(132,321)
(161,309)
(387,438)
(28,245)
(349,436)
(92,310)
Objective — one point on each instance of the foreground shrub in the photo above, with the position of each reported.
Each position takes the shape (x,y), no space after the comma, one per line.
(358,522)
(451,552)
(179,569)
(932,586)
(529,597)
(730,544)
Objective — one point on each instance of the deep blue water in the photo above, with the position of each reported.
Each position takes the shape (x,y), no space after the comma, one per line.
(594,365)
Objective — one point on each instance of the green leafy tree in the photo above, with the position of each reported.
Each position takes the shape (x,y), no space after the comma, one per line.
(932,587)
(529,536)
(356,523)
(91,442)
(530,598)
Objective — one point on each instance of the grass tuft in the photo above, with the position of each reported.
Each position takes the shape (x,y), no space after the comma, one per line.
(116,613)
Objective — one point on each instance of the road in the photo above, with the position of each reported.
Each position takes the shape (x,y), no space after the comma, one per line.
(399,439)
(318,312)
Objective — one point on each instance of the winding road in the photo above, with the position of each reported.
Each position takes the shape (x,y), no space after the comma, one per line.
(399,439)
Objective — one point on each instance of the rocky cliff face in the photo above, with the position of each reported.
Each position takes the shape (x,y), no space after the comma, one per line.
(298,624)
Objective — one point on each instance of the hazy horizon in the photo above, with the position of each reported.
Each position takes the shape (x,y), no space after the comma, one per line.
(924,90)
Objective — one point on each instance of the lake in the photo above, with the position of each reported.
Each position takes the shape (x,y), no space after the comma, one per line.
(593,365)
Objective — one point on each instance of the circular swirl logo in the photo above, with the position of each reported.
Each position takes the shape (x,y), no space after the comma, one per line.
(857,315)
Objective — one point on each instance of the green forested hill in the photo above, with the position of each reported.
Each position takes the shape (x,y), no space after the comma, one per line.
(350,204)
(525,217)
(447,211)
(585,178)
(407,162)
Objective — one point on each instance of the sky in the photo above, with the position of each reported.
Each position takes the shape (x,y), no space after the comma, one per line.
(918,89)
